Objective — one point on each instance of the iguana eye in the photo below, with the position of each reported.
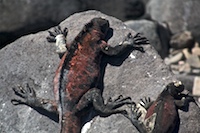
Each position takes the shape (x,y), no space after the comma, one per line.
(129,35)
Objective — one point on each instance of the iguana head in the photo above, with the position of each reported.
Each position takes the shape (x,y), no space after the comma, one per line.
(175,87)
(102,24)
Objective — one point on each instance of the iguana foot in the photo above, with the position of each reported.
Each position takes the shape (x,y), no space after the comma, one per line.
(111,107)
(135,41)
(134,117)
(59,37)
(57,31)
(118,102)
(27,94)
(29,98)
(139,40)
(135,113)
(146,102)
(94,96)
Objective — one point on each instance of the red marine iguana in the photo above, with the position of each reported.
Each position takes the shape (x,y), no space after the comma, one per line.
(76,78)
(161,115)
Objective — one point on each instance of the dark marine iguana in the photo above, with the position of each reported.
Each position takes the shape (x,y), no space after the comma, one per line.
(76,78)
(161,115)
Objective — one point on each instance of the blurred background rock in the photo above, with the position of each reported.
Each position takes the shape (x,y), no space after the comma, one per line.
(23,17)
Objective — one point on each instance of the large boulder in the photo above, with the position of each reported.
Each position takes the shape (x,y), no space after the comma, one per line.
(18,14)
(31,59)
(24,16)
(122,9)
(181,15)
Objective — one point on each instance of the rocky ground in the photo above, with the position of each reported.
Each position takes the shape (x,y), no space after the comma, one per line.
(31,59)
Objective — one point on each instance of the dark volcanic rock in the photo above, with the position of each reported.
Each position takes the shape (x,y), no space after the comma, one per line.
(15,15)
(122,9)
(25,16)
(181,15)
(31,59)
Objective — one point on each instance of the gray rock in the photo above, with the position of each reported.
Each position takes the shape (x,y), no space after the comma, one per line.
(182,40)
(196,87)
(32,59)
(145,1)
(174,59)
(185,68)
(15,15)
(194,61)
(181,15)
(26,16)
(196,71)
(188,81)
(196,49)
(186,53)
(157,34)
(122,9)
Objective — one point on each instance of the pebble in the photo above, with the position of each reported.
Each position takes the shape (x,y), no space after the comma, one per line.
(196,86)
(173,59)
(186,53)
(184,68)
(194,61)
(196,51)
(182,40)
(196,71)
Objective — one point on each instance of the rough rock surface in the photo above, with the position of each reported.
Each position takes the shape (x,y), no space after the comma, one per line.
(157,34)
(181,15)
(32,59)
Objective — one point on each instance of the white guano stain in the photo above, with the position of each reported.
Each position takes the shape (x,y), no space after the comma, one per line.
(132,56)
(86,127)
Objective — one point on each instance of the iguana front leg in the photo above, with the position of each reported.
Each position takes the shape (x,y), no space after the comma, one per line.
(59,36)
(134,116)
(183,102)
(94,97)
(146,102)
(128,43)
(29,98)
